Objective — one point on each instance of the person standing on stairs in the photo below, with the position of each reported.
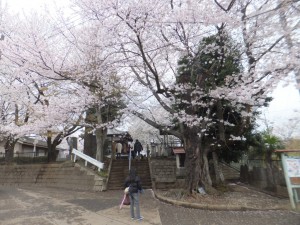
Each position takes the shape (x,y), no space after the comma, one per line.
(119,147)
(138,148)
(134,183)
(130,150)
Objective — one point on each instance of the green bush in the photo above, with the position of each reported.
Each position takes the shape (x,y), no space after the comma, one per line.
(102,173)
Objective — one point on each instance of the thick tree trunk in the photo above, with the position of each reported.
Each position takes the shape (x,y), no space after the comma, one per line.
(192,177)
(101,135)
(52,152)
(196,169)
(52,155)
(90,144)
(206,166)
(9,148)
(218,171)
(49,141)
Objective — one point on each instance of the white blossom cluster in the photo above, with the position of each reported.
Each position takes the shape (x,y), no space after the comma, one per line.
(53,70)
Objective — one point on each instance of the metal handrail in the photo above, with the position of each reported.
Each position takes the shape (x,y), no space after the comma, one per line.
(231,166)
(87,159)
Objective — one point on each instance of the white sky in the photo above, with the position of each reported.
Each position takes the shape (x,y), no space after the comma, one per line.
(27,5)
(286,103)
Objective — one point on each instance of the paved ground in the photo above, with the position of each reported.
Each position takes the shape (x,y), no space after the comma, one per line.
(43,206)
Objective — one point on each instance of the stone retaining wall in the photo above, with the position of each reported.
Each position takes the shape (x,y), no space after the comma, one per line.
(257,177)
(61,175)
(163,172)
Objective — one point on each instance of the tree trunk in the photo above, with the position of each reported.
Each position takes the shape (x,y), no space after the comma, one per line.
(221,123)
(89,146)
(196,168)
(52,152)
(9,148)
(52,155)
(271,183)
(206,166)
(49,141)
(101,134)
(218,171)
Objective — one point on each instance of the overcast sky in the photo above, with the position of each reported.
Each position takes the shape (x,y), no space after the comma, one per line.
(286,103)
(26,5)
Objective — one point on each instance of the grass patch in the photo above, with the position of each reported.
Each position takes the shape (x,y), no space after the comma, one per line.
(222,188)
(102,173)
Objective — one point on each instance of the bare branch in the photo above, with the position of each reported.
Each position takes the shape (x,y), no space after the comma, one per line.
(229,6)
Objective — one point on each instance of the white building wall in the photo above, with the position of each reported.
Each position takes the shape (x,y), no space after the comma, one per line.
(18,148)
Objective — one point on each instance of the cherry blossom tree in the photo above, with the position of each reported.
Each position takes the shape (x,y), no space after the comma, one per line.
(150,38)
(43,99)
(98,74)
(71,71)
(66,67)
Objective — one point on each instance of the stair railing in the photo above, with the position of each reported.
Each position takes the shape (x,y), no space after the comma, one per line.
(87,159)
(236,168)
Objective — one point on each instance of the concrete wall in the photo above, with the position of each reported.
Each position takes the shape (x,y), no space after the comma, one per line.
(18,148)
(257,177)
(166,174)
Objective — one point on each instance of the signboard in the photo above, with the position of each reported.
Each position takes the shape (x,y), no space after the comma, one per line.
(293,167)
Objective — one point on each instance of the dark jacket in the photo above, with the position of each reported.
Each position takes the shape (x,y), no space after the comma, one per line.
(134,185)
(138,146)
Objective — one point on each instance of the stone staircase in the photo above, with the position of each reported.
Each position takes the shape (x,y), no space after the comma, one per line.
(59,175)
(229,172)
(119,171)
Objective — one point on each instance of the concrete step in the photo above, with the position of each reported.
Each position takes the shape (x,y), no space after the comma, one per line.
(119,171)
(229,172)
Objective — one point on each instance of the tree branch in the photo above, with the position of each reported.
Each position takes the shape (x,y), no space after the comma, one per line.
(156,125)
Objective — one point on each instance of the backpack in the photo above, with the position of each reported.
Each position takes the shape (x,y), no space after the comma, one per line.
(133,187)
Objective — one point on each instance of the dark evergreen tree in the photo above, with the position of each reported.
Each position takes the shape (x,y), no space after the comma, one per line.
(217,63)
